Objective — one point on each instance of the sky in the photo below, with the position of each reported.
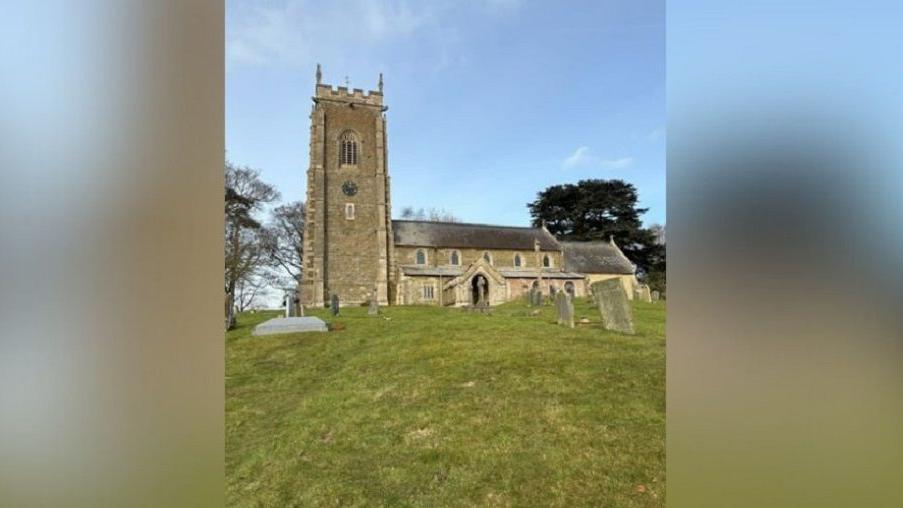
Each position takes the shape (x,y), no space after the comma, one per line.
(490,101)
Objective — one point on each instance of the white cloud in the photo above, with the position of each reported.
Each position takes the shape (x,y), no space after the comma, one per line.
(302,32)
(623,162)
(580,157)
(584,157)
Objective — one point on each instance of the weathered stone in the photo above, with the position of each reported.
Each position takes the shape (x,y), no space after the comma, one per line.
(374,304)
(290,325)
(641,293)
(292,304)
(656,296)
(334,304)
(614,306)
(565,309)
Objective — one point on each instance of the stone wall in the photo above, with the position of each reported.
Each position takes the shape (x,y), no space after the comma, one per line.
(518,288)
(501,259)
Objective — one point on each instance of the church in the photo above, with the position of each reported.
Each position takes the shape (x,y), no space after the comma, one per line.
(353,248)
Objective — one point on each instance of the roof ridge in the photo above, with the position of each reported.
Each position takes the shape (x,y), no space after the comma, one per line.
(477,224)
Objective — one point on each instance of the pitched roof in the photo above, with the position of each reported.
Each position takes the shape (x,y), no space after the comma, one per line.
(595,257)
(474,236)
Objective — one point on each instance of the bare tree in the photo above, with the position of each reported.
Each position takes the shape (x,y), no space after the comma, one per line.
(245,195)
(283,240)
(431,214)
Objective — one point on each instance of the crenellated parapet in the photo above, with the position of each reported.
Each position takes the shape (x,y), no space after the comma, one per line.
(343,94)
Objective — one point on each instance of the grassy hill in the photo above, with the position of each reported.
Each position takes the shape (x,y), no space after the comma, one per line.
(424,406)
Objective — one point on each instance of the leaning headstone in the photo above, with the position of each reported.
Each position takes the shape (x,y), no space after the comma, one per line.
(374,305)
(656,296)
(613,306)
(290,325)
(334,305)
(559,307)
(565,309)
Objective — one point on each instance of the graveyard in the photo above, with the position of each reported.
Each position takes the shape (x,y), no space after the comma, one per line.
(427,406)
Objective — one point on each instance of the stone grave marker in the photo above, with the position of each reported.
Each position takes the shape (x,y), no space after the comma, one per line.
(334,304)
(613,306)
(374,304)
(290,325)
(564,306)
(642,293)
(656,296)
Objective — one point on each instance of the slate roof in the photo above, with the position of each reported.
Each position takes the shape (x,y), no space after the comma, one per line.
(474,236)
(435,271)
(528,274)
(595,257)
(454,271)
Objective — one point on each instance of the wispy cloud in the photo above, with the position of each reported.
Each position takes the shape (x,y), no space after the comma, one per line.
(584,157)
(623,162)
(580,157)
(299,32)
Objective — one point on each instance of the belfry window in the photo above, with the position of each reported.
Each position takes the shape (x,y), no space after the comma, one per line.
(420,257)
(349,147)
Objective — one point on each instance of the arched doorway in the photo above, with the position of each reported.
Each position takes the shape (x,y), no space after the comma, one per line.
(479,290)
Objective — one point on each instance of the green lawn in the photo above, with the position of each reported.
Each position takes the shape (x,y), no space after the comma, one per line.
(424,406)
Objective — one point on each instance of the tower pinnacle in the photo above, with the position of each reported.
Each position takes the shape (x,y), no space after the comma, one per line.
(319,74)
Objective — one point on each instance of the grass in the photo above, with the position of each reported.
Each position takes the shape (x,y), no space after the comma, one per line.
(425,406)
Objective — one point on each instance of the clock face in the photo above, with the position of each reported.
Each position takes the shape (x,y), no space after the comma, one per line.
(349,188)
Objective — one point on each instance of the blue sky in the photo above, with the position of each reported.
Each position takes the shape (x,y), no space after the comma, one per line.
(490,101)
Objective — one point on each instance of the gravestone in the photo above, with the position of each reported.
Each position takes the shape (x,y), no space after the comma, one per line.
(293,307)
(642,293)
(334,304)
(536,297)
(656,296)
(374,305)
(565,309)
(613,306)
(290,325)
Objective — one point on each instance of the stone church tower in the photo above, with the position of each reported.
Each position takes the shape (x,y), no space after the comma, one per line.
(348,243)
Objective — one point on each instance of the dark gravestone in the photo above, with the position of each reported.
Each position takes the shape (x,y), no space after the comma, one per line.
(613,306)
(334,305)
(535,297)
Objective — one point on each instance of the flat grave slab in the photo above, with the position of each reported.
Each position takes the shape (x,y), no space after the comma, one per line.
(290,325)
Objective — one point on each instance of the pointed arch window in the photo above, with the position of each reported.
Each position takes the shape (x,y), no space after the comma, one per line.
(455,258)
(546,261)
(420,257)
(349,145)
(517,260)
